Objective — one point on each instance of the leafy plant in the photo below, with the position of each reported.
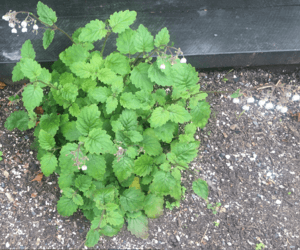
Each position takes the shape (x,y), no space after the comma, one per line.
(259,246)
(110,129)
(172,205)
(216,223)
(1,155)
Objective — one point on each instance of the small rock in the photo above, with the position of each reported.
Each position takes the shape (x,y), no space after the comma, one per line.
(278,202)
(227,156)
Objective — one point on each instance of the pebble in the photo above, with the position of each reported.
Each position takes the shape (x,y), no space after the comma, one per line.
(7,244)
(278,202)
(178,238)
(227,156)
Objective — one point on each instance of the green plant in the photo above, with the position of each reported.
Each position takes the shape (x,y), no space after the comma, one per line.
(127,126)
(1,155)
(259,246)
(172,205)
(224,79)
(216,223)
(289,193)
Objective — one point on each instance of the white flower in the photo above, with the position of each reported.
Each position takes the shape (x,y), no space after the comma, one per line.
(61,190)
(35,27)
(284,109)
(279,107)
(261,102)
(14,30)
(236,100)
(296,97)
(24,29)
(24,24)
(183,60)
(269,105)
(250,100)
(84,167)
(12,25)
(162,66)
(288,94)
(5,17)
(246,107)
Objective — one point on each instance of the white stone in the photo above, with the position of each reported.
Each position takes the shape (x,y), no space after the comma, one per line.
(278,202)
(227,156)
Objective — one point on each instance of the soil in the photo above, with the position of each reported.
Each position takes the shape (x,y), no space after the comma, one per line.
(250,162)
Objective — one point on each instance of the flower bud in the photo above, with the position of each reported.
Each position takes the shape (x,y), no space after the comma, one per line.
(284,109)
(162,66)
(250,100)
(269,105)
(35,27)
(236,100)
(14,30)
(295,98)
(84,167)
(24,24)
(24,29)
(261,102)
(12,25)
(246,107)
(183,60)
(5,17)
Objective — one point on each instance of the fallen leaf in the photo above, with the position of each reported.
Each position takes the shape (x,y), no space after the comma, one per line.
(33,195)
(6,174)
(39,110)
(38,178)
(2,85)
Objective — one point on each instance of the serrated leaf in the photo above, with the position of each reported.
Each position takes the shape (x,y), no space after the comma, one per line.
(125,42)
(74,111)
(104,195)
(129,101)
(78,200)
(157,76)
(143,39)
(159,117)
(139,77)
(83,69)
(138,226)
(132,199)
(200,114)
(154,206)
(118,63)
(50,123)
(17,73)
(114,218)
(111,104)
(96,166)
(128,120)
(46,140)
(166,131)
(48,38)
(99,142)
(163,183)
(120,21)
(18,119)
(88,119)
(178,114)
(143,165)
(66,206)
(68,192)
(151,145)
(106,75)
(100,94)
(46,14)
(123,168)
(92,238)
(48,164)
(45,76)
(134,136)
(32,96)
(27,50)
(65,180)
(135,183)
(162,37)
(185,152)
(200,187)
(83,182)
(30,68)
(132,152)
(93,31)
(75,53)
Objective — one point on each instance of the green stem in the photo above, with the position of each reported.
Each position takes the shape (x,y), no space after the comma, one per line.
(107,35)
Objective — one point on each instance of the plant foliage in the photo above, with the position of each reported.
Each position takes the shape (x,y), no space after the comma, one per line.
(114,116)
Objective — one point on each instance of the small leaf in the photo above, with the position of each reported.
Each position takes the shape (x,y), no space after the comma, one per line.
(48,37)
(46,14)
(138,226)
(200,187)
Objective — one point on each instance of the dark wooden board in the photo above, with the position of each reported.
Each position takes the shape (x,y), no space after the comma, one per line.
(211,33)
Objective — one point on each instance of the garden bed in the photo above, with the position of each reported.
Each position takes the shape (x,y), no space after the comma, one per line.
(250,161)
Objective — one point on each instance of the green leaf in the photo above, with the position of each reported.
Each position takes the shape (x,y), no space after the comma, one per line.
(143,165)
(129,101)
(83,182)
(100,94)
(185,152)
(236,94)
(138,226)
(125,42)
(46,14)
(27,50)
(132,199)
(96,166)
(139,77)
(120,21)
(111,104)
(48,38)
(75,53)
(114,218)
(45,76)
(18,119)
(154,206)
(128,119)
(65,180)
(88,119)
(134,136)
(159,117)
(30,68)
(78,200)
(200,114)
(74,111)
(162,37)
(118,63)
(83,69)
(106,75)
(110,230)
(92,238)
(66,206)
(166,131)
(143,39)
(68,192)
(93,31)
(123,168)
(104,196)
(200,187)
(46,140)
(48,164)
(17,73)
(151,145)
(163,183)
(32,96)
(157,76)
(178,114)
(50,123)
(99,142)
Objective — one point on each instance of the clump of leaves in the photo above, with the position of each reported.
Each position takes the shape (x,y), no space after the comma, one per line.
(117,139)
